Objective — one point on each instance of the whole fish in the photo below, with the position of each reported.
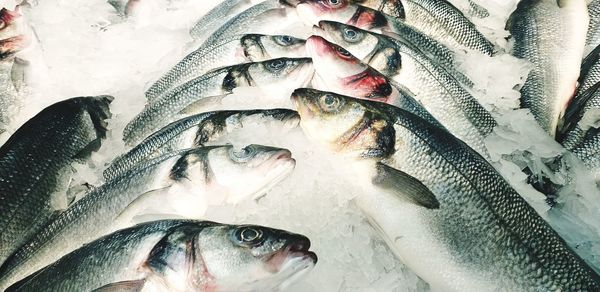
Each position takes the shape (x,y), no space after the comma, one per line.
(437,19)
(177,255)
(219,15)
(551,35)
(230,51)
(35,165)
(271,75)
(593,35)
(189,176)
(440,94)
(379,51)
(192,131)
(443,210)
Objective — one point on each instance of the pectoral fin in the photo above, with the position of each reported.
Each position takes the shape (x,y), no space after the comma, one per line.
(404,186)
(137,206)
(202,105)
(125,286)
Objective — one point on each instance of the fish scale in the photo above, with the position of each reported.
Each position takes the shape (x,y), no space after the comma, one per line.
(34,167)
(455,30)
(593,36)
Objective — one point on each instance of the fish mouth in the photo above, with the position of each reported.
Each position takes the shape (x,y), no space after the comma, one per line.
(295,252)
(11,46)
(7,17)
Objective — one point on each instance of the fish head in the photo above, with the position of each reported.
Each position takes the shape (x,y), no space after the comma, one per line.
(251,170)
(281,74)
(252,258)
(8,17)
(393,8)
(345,124)
(259,47)
(367,46)
(338,70)
(313,11)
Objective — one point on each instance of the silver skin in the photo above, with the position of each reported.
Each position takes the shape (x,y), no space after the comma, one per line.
(389,7)
(229,51)
(35,165)
(593,35)
(433,86)
(551,35)
(216,17)
(195,172)
(444,211)
(192,131)
(176,255)
(424,16)
(271,74)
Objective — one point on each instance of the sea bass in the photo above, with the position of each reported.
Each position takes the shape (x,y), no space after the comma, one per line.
(219,15)
(593,35)
(193,131)
(229,51)
(439,93)
(176,255)
(551,35)
(443,210)
(35,165)
(437,19)
(194,177)
(273,75)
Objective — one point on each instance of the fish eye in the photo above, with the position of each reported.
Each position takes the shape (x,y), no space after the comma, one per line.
(275,65)
(248,235)
(243,154)
(351,35)
(284,40)
(335,2)
(329,102)
(341,51)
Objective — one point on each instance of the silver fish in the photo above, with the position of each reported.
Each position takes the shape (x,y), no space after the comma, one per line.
(277,73)
(443,210)
(229,51)
(176,255)
(192,131)
(216,17)
(35,165)
(436,90)
(551,35)
(437,19)
(197,172)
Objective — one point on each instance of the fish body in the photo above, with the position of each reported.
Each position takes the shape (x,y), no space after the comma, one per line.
(219,15)
(593,35)
(198,172)
(443,210)
(424,21)
(35,162)
(177,255)
(551,35)
(271,75)
(227,52)
(192,131)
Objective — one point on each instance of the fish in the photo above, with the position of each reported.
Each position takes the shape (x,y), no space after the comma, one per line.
(229,51)
(36,161)
(452,29)
(190,177)
(477,10)
(180,255)
(125,7)
(593,35)
(271,75)
(219,15)
(382,52)
(438,93)
(440,206)
(11,22)
(192,131)
(392,8)
(551,35)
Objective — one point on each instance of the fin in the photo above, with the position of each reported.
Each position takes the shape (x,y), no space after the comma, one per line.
(124,286)
(99,111)
(588,62)
(200,105)
(133,209)
(573,113)
(404,186)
